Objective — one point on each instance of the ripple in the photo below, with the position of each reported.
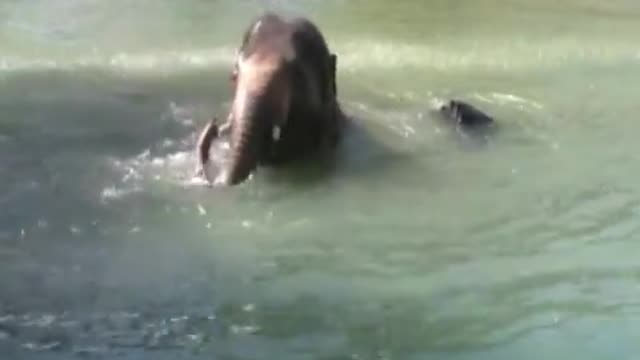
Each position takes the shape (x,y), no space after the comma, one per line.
(166,161)
(162,61)
(463,54)
(104,333)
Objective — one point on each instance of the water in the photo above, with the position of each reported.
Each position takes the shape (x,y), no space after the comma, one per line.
(413,244)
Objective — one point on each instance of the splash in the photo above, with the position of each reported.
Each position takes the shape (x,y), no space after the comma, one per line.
(168,161)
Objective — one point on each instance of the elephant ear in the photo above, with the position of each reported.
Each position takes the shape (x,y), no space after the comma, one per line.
(329,88)
(331,107)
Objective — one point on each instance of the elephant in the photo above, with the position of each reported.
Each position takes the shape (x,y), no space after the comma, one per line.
(284,104)
(473,126)
(466,115)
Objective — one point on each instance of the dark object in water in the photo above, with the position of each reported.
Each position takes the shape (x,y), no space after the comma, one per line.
(465,115)
(473,127)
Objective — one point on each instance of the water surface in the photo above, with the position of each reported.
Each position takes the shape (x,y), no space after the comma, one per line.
(412,244)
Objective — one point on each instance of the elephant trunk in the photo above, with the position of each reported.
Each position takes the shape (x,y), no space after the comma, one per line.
(256,113)
(246,142)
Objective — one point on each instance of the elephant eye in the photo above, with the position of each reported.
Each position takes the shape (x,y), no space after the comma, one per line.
(234,74)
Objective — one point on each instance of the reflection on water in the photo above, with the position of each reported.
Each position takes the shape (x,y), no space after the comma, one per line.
(408,244)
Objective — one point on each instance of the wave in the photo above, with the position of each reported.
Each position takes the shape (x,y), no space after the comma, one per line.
(165,61)
(166,160)
(365,54)
(491,53)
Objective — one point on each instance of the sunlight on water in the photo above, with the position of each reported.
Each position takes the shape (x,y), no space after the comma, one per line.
(156,63)
(360,55)
(481,54)
(415,242)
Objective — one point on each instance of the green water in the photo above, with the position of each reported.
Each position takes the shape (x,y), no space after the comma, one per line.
(410,245)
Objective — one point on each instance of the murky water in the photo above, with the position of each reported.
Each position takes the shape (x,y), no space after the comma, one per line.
(411,245)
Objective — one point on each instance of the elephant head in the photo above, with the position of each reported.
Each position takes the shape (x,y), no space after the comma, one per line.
(259,110)
(283,83)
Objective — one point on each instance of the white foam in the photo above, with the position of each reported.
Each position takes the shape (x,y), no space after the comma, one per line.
(178,158)
(158,162)
(175,164)
(359,54)
(114,193)
(460,54)
(511,98)
(165,61)
(196,181)
(437,103)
